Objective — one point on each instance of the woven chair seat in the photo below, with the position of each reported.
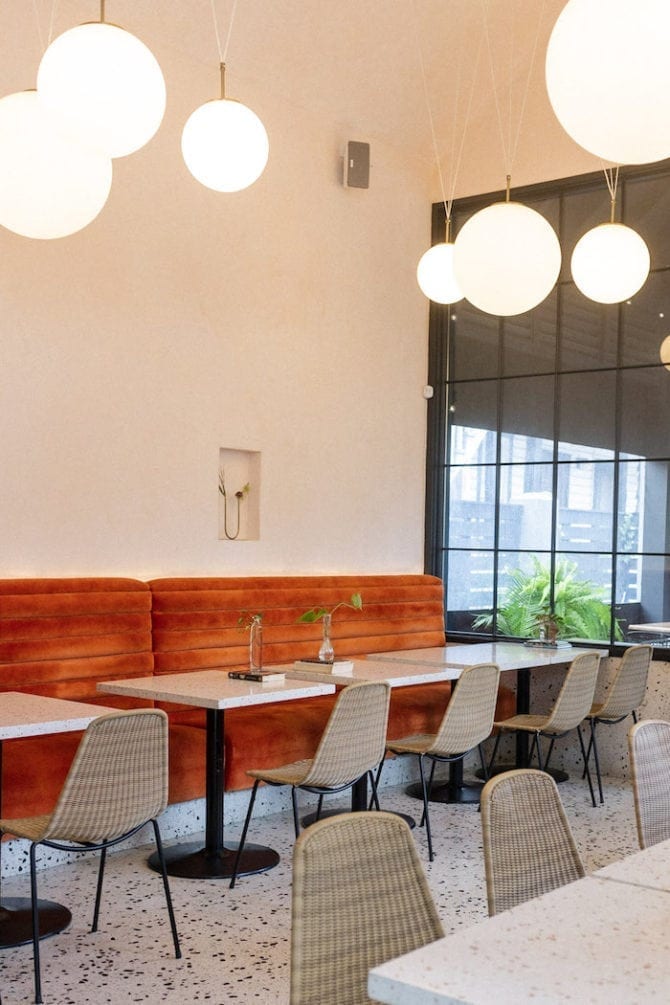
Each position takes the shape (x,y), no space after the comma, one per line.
(31,828)
(419,743)
(531,723)
(288,774)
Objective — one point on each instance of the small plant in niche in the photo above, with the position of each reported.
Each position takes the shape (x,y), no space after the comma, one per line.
(253,623)
(238,496)
(324,614)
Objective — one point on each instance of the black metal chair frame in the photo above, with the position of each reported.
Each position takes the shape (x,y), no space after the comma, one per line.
(102,848)
(594,746)
(317,790)
(544,765)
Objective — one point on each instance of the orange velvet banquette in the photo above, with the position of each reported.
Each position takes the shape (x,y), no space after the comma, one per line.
(61,637)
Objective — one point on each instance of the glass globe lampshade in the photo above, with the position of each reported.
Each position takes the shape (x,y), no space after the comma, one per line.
(608,77)
(610,263)
(51,185)
(224,145)
(506,259)
(435,274)
(106,84)
(665,352)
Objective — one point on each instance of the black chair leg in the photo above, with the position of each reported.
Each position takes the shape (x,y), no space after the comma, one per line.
(294,804)
(482,761)
(36,925)
(594,744)
(98,891)
(374,800)
(426,815)
(319,806)
(166,887)
(495,751)
(240,848)
(430,789)
(378,776)
(586,764)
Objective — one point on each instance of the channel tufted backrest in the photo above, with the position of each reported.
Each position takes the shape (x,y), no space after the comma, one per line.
(195,620)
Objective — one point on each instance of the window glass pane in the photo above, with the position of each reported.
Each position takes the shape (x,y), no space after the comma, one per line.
(529,340)
(644,506)
(585,506)
(475,342)
(473,408)
(587,414)
(647,209)
(645,412)
(469,588)
(472,506)
(588,331)
(527,409)
(525,507)
(582,595)
(522,588)
(643,590)
(646,321)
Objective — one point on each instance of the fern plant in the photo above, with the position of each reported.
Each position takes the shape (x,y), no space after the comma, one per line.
(579,609)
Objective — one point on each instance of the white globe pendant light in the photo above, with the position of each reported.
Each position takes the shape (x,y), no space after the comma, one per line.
(435,274)
(51,185)
(224,144)
(665,352)
(507,259)
(608,77)
(106,84)
(610,263)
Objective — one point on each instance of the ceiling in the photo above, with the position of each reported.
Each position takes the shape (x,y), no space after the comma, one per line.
(353,63)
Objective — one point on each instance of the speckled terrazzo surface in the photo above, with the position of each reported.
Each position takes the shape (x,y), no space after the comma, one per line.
(235,943)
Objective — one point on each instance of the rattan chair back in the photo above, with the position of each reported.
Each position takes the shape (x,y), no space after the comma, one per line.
(528,845)
(354,740)
(628,688)
(649,746)
(359,898)
(575,698)
(118,778)
(469,717)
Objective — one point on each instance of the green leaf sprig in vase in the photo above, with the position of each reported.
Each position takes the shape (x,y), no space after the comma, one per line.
(325,614)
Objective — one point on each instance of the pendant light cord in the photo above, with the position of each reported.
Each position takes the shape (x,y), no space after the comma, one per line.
(447,201)
(52,19)
(223,52)
(511,143)
(612,179)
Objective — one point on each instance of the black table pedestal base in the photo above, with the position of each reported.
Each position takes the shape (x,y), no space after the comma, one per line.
(448,792)
(16,920)
(193,861)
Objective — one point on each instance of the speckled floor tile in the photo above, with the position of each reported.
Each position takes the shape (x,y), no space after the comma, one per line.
(235,943)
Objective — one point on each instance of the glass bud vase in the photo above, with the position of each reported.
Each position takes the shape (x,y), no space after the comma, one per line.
(256,644)
(326,652)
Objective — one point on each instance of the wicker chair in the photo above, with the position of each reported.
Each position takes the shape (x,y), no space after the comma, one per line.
(649,747)
(350,748)
(117,783)
(624,697)
(467,722)
(359,898)
(571,707)
(528,845)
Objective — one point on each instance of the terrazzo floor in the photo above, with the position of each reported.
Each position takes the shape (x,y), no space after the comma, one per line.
(235,943)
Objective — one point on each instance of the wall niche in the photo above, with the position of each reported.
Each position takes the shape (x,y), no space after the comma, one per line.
(239,494)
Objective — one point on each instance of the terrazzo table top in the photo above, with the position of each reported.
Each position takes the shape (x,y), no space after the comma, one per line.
(32,714)
(508,655)
(212,689)
(650,867)
(593,941)
(396,674)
